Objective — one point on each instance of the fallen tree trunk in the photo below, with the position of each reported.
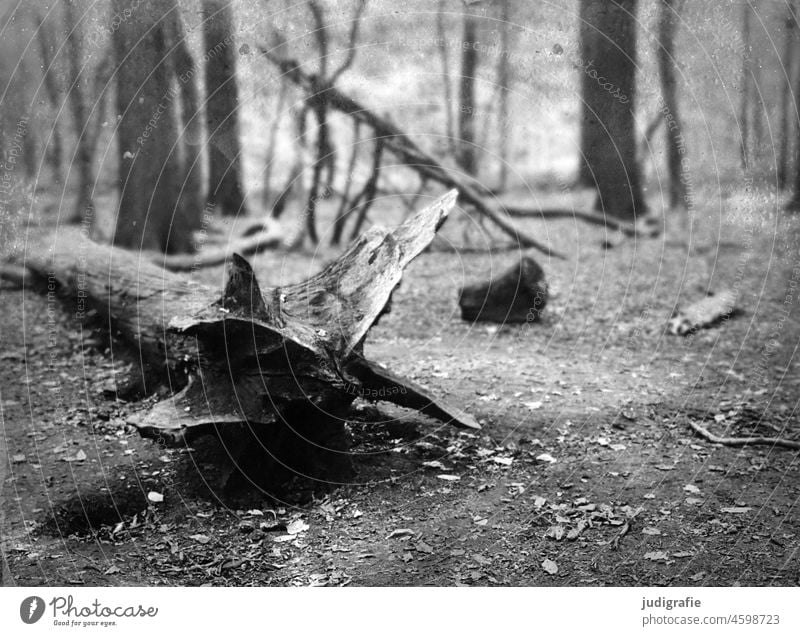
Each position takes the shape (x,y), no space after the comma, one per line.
(271,373)
(397,142)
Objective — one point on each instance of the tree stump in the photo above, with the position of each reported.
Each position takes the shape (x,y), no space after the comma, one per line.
(518,295)
(271,373)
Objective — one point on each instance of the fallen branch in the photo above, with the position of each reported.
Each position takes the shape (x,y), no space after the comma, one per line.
(219,254)
(743,441)
(629,229)
(399,143)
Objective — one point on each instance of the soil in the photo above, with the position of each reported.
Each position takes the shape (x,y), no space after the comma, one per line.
(586,471)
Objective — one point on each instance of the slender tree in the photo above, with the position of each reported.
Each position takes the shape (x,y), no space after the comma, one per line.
(467,157)
(746,87)
(503,86)
(87,99)
(151,213)
(669,11)
(608,140)
(50,73)
(222,103)
(786,104)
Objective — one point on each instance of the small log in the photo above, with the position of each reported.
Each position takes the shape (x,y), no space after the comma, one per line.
(518,295)
(271,373)
(401,145)
(704,313)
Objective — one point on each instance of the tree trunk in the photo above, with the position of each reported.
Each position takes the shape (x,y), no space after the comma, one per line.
(80,102)
(667,27)
(466,94)
(786,102)
(151,172)
(222,103)
(265,362)
(608,132)
(745,89)
(55,148)
(504,85)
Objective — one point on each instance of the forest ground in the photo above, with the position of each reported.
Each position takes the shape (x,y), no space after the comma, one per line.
(586,471)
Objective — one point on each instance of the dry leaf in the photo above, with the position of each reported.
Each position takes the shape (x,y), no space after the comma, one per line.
(201,538)
(656,556)
(155,497)
(550,566)
(297,526)
(737,510)
(692,489)
(400,532)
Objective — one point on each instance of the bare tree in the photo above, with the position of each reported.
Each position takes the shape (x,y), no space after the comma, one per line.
(441,34)
(503,87)
(222,102)
(608,86)
(669,12)
(467,158)
(746,87)
(87,104)
(786,103)
(151,214)
(50,72)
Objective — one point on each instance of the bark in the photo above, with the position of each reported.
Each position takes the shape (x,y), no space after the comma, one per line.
(254,362)
(222,103)
(151,172)
(518,295)
(608,83)
(467,157)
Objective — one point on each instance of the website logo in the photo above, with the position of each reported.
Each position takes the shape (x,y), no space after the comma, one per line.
(31,609)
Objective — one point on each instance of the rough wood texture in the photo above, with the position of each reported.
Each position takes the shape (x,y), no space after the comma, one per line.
(255,365)
(518,295)
(704,313)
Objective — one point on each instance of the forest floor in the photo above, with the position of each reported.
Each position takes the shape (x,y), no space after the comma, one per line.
(586,471)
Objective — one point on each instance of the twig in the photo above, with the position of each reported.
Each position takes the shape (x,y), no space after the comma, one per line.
(744,441)
(368,193)
(351,45)
(343,212)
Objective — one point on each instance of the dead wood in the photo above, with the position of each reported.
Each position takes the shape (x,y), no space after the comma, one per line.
(399,143)
(517,295)
(253,366)
(743,441)
(704,313)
